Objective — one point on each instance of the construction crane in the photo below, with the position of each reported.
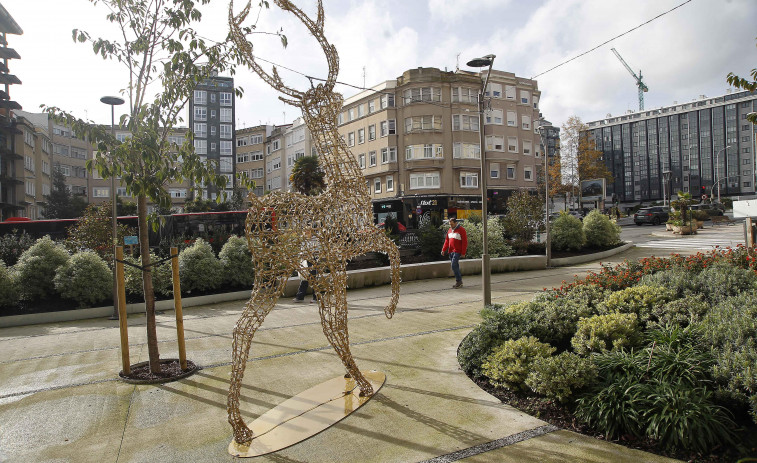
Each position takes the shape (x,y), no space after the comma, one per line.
(639,83)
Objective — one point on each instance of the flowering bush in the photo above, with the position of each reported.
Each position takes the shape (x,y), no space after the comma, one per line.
(600,231)
(85,278)
(236,260)
(8,288)
(37,266)
(199,268)
(567,233)
(509,364)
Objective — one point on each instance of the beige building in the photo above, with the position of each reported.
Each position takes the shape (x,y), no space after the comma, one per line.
(417,140)
(250,158)
(275,157)
(33,144)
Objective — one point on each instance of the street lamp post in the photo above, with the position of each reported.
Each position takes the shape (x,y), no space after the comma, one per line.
(547,241)
(665,185)
(113,101)
(717,175)
(482,62)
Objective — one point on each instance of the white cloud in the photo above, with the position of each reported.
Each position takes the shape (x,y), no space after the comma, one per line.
(458,10)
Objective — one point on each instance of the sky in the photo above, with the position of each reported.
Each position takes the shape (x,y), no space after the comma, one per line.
(682,55)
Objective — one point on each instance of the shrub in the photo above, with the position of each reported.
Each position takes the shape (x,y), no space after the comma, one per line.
(37,266)
(680,312)
(12,245)
(560,376)
(85,278)
(431,238)
(679,280)
(236,261)
(496,327)
(94,231)
(721,281)
(612,408)
(524,215)
(8,287)
(508,364)
(162,277)
(601,333)
(199,268)
(639,300)
(498,246)
(567,233)
(600,231)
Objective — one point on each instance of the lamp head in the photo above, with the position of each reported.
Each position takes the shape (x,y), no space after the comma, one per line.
(112,100)
(482,62)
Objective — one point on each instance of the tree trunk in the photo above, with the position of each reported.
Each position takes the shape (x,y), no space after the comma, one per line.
(144,250)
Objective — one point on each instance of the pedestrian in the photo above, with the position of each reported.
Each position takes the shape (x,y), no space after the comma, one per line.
(312,245)
(617,213)
(456,243)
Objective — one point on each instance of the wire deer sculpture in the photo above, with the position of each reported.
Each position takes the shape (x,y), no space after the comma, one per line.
(340,220)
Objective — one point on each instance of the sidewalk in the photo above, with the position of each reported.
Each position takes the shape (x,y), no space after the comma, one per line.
(60,401)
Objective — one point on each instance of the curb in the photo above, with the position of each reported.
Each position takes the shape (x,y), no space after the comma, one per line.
(564,261)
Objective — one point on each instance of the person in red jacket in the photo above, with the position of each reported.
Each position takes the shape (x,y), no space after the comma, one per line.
(456,243)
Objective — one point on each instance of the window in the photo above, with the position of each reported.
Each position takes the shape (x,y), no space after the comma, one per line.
(361,160)
(201,130)
(45,189)
(464,95)
(225,99)
(525,97)
(372,159)
(493,116)
(466,151)
(494,170)
(201,113)
(371,132)
(416,95)
(510,92)
(387,101)
(424,180)
(526,146)
(29,163)
(46,168)
(101,192)
(388,128)
(213,97)
(30,188)
(213,130)
(493,90)
(64,169)
(351,139)
(340,119)
(528,173)
(29,138)
(242,141)
(256,139)
(226,148)
(389,183)
(377,185)
(225,164)
(360,111)
(226,115)
(464,122)
(45,145)
(512,144)
(510,172)
(427,151)
(388,154)
(201,97)
(351,114)
(468,180)
(423,123)
(201,146)
(212,113)
(361,135)
(371,106)
(226,131)
(494,143)
(276,163)
(256,173)
(178,192)
(512,119)
(525,122)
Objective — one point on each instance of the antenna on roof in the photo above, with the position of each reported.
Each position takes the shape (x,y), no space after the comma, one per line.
(457,64)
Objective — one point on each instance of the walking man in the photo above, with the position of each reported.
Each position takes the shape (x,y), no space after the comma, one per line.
(456,243)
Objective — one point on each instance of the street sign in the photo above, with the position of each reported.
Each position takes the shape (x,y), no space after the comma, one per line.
(704,197)
(131,240)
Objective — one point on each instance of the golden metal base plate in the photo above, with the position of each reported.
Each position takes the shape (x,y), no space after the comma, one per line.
(305,415)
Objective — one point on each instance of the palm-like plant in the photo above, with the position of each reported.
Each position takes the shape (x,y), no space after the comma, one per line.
(307,176)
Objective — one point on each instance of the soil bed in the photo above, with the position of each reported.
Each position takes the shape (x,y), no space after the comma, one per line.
(170,370)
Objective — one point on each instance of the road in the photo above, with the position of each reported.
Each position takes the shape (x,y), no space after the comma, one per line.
(708,238)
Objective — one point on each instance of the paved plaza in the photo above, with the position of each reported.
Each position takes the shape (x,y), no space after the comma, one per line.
(60,400)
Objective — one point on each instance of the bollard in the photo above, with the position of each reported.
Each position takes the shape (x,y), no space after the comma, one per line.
(122,310)
(177,307)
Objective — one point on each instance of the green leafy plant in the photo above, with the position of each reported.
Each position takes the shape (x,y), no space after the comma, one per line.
(498,246)
(567,233)
(12,245)
(162,277)
(37,266)
(559,377)
(720,281)
(8,287)
(639,300)
(680,312)
(524,215)
(509,363)
(431,238)
(600,231)
(199,268)
(236,261)
(84,278)
(602,333)
(94,231)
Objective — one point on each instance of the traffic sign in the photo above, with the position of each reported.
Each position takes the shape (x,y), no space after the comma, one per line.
(704,197)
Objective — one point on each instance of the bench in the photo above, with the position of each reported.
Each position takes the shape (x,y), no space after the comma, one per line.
(722,219)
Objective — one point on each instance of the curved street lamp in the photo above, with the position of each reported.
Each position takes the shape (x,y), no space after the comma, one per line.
(482,62)
(543,124)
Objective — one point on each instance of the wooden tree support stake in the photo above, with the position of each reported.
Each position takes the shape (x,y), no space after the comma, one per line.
(177,307)
(122,310)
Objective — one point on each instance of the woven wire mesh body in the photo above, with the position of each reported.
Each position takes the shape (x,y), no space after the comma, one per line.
(314,236)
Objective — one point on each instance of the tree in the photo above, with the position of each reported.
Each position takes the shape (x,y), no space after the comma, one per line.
(581,160)
(307,176)
(61,204)
(524,215)
(157,42)
(745,84)
(94,231)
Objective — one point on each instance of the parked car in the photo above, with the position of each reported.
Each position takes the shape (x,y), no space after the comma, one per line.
(576,214)
(654,215)
(711,209)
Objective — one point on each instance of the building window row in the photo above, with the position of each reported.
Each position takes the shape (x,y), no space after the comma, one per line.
(427,151)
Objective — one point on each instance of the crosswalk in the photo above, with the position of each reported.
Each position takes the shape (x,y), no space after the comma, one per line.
(702,244)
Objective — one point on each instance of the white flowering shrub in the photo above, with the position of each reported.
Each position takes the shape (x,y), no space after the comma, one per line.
(199,268)
(236,260)
(85,278)
(36,268)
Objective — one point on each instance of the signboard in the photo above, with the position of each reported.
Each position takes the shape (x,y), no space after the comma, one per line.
(131,240)
(593,190)
(745,208)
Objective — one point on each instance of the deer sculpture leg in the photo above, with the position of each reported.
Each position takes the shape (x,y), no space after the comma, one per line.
(264,297)
(333,311)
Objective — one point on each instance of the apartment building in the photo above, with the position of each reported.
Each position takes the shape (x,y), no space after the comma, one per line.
(298,144)
(250,157)
(683,147)
(275,173)
(33,145)
(417,140)
(211,119)
(12,188)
